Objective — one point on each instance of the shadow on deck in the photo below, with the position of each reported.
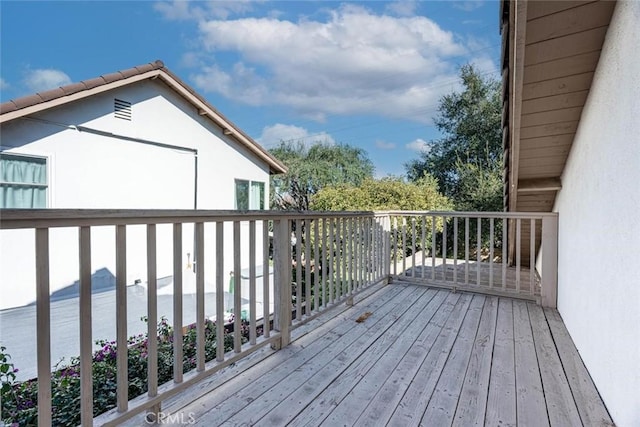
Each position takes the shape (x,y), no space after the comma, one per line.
(424,356)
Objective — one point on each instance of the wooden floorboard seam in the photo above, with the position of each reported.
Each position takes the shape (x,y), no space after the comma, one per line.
(381,407)
(354,403)
(226,411)
(425,380)
(277,359)
(443,403)
(467,411)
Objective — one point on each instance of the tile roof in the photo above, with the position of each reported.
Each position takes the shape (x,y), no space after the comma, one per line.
(49,95)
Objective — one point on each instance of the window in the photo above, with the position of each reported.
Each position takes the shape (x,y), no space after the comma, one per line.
(249,195)
(23,181)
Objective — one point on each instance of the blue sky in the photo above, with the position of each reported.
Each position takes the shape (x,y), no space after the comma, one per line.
(364,73)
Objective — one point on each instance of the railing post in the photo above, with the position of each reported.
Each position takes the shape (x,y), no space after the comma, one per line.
(282,280)
(549,253)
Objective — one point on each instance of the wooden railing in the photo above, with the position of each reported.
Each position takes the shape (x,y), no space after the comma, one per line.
(333,256)
(318,260)
(469,250)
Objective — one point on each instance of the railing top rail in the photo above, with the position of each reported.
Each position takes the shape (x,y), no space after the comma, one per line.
(45,218)
(461,214)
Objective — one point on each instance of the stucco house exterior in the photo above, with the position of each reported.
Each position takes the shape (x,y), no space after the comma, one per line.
(136,139)
(572,146)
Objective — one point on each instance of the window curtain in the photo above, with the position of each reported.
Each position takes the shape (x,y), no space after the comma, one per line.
(23,182)
(257,196)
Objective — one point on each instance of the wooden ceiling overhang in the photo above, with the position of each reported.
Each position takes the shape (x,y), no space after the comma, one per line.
(550,51)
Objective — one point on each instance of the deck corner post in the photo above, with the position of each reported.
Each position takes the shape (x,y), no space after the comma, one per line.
(282,280)
(549,254)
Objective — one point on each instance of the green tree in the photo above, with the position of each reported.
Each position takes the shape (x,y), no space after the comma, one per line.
(467,159)
(313,168)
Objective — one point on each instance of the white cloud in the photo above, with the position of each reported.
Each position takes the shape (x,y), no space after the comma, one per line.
(469,5)
(419,145)
(182,10)
(44,79)
(3,84)
(272,135)
(383,145)
(354,63)
(402,7)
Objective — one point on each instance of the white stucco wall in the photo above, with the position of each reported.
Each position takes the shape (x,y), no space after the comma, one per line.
(96,171)
(599,230)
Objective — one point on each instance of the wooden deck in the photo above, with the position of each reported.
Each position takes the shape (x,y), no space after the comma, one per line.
(423,356)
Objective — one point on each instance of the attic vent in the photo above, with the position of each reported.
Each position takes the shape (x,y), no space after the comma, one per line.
(122,109)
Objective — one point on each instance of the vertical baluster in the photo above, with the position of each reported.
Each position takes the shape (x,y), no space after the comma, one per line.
(252,282)
(413,247)
(404,246)
(395,245)
(491,244)
(220,291)
(455,250)
(423,245)
(479,251)
(379,263)
(237,289)
(199,266)
(177,303)
(433,247)
(343,255)
(266,270)
(152,315)
(316,264)
(444,248)
(352,239)
(368,258)
(86,347)
(466,251)
(505,227)
(121,319)
(338,260)
(298,247)
(532,257)
(357,266)
(43,330)
(325,261)
(518,252)
(307,266)
(331,261)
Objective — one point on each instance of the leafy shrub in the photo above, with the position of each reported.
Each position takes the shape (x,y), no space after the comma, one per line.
(19,398)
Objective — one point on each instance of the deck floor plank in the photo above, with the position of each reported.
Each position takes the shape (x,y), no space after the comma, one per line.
(349,410)
(473,397)
(414,402)
(381,407)
(560,404)
(424,354)
(442,406)
(585,394)
(265,389)
(531,410)
(290,357)
(366,373)
(501,402)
